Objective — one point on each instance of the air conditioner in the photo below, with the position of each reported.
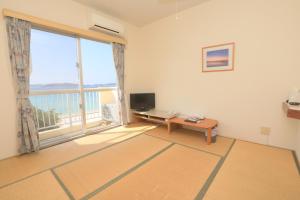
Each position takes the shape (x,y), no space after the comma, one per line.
(103,24)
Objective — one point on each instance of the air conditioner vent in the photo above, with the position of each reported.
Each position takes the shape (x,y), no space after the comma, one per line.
(103,24)
(101,27)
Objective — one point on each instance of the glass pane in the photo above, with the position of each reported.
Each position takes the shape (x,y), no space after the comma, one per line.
(54,83)
(99,82)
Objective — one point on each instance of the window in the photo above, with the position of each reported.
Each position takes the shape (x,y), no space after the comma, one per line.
(99,72)
(72,84)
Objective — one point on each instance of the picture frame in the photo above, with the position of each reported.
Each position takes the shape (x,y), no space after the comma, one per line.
(218,58)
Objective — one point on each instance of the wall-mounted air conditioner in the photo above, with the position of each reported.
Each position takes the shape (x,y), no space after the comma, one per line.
(103,24)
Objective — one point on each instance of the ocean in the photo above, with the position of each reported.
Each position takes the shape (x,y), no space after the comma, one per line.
(67,103)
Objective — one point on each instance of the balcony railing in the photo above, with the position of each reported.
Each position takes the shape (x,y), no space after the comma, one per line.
(57,109)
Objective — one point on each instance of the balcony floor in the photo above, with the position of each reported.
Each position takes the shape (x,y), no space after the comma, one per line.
(65,130)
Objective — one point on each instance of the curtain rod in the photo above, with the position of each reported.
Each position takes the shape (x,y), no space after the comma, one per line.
(50,25)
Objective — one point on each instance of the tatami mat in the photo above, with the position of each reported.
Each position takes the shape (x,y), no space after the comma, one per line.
(193,139)
(123,163)
(40,187)
(178,173)
(85,175)
(19,167)
(253,171)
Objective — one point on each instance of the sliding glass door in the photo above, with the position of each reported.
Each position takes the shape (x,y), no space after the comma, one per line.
(54,84)
(73,85)
(99,84)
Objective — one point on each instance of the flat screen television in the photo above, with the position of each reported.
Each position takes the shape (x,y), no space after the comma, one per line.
(142,101)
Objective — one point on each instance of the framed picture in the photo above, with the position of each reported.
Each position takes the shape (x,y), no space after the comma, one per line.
(218,58)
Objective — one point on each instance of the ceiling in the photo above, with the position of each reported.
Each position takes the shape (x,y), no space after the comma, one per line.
(140,12)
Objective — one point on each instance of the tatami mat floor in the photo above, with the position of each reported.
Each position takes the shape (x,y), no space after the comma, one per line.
(178,173)
(144,162)
(254,171)
(85,175)
(16,168)
(193,139)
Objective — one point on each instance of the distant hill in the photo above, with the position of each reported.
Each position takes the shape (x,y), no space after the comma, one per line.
(66,86)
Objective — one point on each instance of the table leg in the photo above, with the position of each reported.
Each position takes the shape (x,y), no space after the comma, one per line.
(208,141)
(169,127)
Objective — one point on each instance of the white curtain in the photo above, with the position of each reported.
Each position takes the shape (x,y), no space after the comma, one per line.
(118,52)
(18,32)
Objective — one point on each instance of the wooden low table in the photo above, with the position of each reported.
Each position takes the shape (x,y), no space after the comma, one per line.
(207,124)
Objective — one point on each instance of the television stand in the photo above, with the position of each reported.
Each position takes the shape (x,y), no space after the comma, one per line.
(142,110)
(156,116)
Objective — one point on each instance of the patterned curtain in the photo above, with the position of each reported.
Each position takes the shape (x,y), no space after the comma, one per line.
(118,51)
(18,32)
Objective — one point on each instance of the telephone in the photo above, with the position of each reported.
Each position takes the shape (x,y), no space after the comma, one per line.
(194,118)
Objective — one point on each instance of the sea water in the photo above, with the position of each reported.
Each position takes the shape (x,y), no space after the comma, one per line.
(67,103)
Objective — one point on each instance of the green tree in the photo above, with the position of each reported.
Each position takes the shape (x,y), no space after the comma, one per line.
(47,120)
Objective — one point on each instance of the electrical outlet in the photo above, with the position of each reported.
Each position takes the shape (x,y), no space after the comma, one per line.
(265,130)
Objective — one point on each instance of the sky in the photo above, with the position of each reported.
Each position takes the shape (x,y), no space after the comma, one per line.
(218,53)
(54,57)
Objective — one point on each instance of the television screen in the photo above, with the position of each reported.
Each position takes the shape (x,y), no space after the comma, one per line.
(142,101)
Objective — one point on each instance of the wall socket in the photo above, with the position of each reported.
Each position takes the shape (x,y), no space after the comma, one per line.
(265,130)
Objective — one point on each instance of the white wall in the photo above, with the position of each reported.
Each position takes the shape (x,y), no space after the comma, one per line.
(165,57)
(297,149)
(266,34)
(62,11)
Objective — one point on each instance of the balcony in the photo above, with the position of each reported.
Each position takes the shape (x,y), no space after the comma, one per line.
(58,112)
